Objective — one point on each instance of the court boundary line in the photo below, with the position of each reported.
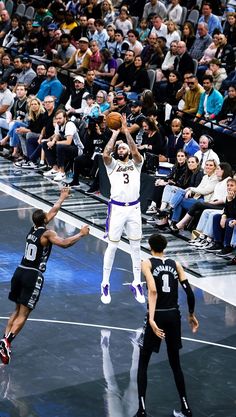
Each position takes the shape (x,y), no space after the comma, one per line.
(99,326)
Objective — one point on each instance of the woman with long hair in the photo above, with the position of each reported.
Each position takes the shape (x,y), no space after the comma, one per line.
(107,69)
(108,13)
(176,177)
(174,83)
(172,33)
(140,80)
(188,35)
(152,140)
(148,102)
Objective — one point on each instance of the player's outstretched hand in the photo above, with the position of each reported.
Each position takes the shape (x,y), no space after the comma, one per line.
(193,322)
(158,332)
(84,231)
(65,192)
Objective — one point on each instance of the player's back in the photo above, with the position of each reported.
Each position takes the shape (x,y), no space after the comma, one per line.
(36,255)
(166,279)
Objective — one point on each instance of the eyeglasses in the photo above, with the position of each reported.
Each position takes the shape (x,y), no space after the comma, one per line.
(51,101)
(99,96)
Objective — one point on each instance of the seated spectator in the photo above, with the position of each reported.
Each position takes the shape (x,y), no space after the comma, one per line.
(217,201)
(230,80)
(210,101)
(80,59)
(205,152)
(143,30)
(183,63)
(203,193)
(168,63)
(93,9)
(34,86)
(225,53)
(62,147)
(73,6)
(77,99)
(69,23)
(101,35)
(135,118)
(123,22)
(121,45)
(18,113)
(223,224)
(51,86)
(191,98)
(171,88)
(140,80)
(108,13)
(172,32)
(15,35)
(6,68)
(190,145)
(106,71)
(5,25)
(202,41)
(134,43)
(188,36)
(228,110)
(101,99)
(176,177)
(27,74)
(65,50)
(155,7)
(152,142)
(95,59)
(120,104)
(218,73)
(80,31)
(229,29)
(6,101)
(17,68)
(54,41)
(124,74)
(91,110)
(174,142)
(210,19)
(209,54)
(27,30)
(159,27)
(110,43)
(32,42)
(41,12)
(172,193)
(90,85)
(148,102)
(174,11)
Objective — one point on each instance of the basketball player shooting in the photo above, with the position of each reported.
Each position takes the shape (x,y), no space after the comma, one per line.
(123,208)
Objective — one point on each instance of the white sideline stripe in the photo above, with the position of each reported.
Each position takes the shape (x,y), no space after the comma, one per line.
(99,326)
(17,209)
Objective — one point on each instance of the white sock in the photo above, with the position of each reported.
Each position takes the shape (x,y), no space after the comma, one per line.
(136,260)
(108,261)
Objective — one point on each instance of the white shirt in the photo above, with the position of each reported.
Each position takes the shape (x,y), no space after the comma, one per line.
(210,154)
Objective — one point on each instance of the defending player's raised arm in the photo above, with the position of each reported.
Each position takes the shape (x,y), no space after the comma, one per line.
(132,145)
(152,297)
(193,322)
(53,237)
(65,192)
(110,147)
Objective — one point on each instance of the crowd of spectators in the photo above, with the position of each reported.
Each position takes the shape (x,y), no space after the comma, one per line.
(168,65)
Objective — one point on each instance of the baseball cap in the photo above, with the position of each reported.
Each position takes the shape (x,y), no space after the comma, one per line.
(121,95)
(52,26)
(135,103)
(84,39)
(36,24)
(26,59)
(79,78)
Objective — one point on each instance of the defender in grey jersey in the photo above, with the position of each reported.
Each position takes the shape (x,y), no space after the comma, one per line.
(27,280)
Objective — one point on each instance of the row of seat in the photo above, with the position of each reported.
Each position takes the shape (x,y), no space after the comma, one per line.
(21,10)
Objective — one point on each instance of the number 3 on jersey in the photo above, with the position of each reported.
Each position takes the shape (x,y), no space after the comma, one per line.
(165,283)
(126,178)
(30,251)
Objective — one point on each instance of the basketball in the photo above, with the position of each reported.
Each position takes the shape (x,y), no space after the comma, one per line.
(113,120)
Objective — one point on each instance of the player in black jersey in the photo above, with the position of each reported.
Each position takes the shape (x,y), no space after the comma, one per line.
(163,319)
(27,280)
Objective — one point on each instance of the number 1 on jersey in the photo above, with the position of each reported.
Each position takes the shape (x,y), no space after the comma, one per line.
(165,281)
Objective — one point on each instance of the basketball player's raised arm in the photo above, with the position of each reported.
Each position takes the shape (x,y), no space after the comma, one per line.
(52,236)
(193,322)
(109,148)
(54,210)
(137,157)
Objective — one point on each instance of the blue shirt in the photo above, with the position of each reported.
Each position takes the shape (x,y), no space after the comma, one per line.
(50,87)
(191,147)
